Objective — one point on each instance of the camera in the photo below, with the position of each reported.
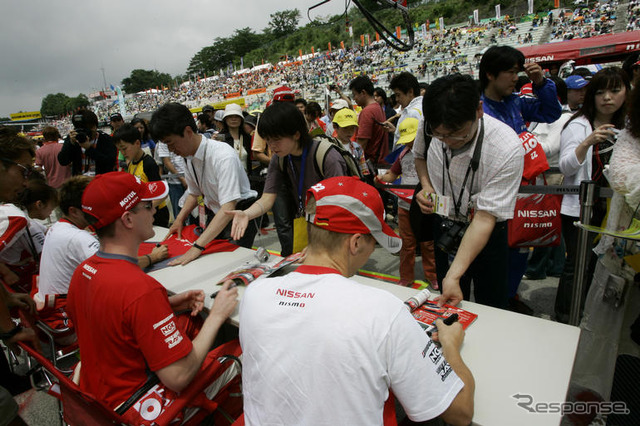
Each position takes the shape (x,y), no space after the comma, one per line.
(332,87)
(82,133)
(452,233)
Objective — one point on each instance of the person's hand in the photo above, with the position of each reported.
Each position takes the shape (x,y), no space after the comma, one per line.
(8,276)
(21,301)
(451,292)
(26,335)
(239,224)
(159,253)
(449,336)
(389,127)
(73,137)
(225,302)
(189,300)
(191,254)
(176,227)
(600,134)
(423,198)
(534,72)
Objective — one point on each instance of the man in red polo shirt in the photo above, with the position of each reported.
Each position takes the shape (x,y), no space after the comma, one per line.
(124,320)
(372,135)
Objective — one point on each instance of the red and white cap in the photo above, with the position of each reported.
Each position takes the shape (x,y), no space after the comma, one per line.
(108,196)
(347,205)
(283,94)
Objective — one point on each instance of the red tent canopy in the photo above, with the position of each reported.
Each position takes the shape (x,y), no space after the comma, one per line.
(604,48)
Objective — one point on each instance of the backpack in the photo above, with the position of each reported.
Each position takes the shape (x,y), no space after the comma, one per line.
(324,145)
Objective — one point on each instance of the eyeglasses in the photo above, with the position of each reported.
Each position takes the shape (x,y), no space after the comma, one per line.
(449,136)
(26,171)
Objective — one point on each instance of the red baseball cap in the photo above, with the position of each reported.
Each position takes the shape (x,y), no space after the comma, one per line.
(283,94)
(347,205)
(109,195)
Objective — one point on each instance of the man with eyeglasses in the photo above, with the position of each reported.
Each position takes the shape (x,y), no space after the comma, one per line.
(16,159)
(474,165)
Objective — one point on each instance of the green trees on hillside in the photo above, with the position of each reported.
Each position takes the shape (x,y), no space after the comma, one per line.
(59,104)
(144,79)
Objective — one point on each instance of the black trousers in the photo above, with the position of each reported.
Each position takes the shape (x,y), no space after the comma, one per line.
(489,271)
(249,234)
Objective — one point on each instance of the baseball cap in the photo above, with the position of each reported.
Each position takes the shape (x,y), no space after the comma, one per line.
(636,64)
(251,120)
(207,108)
(346,205)
(526,89)
(232,109)
(576,82)
(108,196)
(345,117)
(116,117)
(339,104)
(283,94)
(408,129)
(219,115)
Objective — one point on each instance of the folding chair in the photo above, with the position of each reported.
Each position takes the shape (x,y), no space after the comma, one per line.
(80,408)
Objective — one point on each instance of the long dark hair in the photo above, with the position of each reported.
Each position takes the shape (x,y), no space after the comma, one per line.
(607,78)
(146,135)
(633,107)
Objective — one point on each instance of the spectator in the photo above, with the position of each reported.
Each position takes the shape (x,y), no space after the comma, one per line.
(115,121)
(407,90)
(346,125)
(308,351)
(47,158)
(457,123)
(585,149)
(174,165)
(234,135)
(371,134)
(134,320)
(147,144)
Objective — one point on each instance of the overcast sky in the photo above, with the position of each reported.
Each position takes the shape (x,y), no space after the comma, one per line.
(60,46)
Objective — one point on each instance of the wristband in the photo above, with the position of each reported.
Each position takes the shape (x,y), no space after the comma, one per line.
(149,259)
(9,334)
(198,246)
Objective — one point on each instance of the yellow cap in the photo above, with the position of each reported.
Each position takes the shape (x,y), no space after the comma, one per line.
(408,130)
(345,117)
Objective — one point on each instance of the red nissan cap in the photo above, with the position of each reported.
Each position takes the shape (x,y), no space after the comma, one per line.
(109,195)
(347,205)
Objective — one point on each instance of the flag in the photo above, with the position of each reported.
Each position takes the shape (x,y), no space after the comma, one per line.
(476,19)
(377,37)
(428,24)
(362,40)
(313,51)
(497,11)
(241,62)
(342,45)
(329,46)
(368,40)
(530,4)
(398,32)
(350,31)
(556,3)
(441,22)
(300,52)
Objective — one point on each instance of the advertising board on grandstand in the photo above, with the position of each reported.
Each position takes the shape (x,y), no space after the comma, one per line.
(23,116)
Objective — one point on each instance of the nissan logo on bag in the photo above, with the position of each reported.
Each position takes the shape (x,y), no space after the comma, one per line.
(537,213)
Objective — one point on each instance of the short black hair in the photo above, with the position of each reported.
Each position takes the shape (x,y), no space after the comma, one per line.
(71,192)
(283,119)
(451,101)
(582,72)
(13,145)
(126,133)
(405,82)
(300,101)
(313,109)
(171,119)
(561,88)
(629,63)
(89,118)
(362,83)
(497,59)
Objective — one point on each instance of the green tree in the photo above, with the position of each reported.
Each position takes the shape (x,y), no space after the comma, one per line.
(284,22)
(55,105)
(144,79)
(79,101)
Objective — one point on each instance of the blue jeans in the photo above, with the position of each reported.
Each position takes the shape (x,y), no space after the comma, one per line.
(175,193)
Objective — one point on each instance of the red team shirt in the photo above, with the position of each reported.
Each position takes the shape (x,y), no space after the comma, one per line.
(124,322)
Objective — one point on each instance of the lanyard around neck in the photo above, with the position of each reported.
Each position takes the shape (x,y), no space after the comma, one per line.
(195,175)
(303,164)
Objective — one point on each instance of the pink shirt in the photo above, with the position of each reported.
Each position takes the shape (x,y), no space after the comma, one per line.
(47,157)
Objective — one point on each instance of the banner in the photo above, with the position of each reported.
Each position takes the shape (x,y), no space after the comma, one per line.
(329,46)
(441,22)
(377,37)
(476,19)
(313,51)
(221,105)
(350,31)
(428,24)
(368,40)
(530,4)
(398,30)
(20,116)
(300,52)
(256,91)
(232,95)
(362,40)
(556,3)
(342,45)
(497,11)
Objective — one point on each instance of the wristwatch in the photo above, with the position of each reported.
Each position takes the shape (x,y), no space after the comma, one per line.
(9,334)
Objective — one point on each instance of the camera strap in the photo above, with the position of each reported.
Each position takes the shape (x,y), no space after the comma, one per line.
(472,168)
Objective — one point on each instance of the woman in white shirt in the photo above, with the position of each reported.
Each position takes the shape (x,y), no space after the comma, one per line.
(585,148)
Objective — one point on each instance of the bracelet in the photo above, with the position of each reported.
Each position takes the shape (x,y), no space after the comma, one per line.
(198,246)
(149,259)
(9,334)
